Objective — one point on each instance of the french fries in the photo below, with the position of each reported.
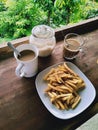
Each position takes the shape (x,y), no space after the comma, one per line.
(63,85)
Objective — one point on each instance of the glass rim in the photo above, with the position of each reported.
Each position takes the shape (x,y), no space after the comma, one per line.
(74,34)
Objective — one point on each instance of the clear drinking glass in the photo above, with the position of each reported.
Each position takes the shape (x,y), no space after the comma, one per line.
(72,45)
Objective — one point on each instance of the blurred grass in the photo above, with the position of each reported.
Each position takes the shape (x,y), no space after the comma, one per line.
(2,40)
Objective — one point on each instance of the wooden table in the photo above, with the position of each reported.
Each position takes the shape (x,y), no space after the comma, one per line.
(20,105)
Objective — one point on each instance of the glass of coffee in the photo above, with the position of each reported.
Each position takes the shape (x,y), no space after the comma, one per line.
(72,45)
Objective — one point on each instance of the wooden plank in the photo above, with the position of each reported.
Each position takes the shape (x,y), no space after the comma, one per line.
(6,52)
(20,105)
(80,28)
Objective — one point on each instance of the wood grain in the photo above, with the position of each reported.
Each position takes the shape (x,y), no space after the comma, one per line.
(20,105)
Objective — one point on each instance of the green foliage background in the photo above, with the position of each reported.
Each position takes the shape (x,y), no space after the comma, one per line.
(18,17)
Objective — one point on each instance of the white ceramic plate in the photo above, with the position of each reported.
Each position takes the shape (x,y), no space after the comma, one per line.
(87,95)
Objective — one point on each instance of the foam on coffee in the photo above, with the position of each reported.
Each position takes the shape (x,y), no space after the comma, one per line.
(26,55)
(71,48)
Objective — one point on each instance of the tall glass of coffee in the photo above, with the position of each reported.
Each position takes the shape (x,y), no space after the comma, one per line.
(72,45)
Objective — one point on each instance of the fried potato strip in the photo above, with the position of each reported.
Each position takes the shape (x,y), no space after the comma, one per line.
(63,85)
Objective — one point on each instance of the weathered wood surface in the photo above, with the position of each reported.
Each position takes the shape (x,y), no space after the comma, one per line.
(20,105)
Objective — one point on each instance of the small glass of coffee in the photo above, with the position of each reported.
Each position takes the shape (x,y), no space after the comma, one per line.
(72,45)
